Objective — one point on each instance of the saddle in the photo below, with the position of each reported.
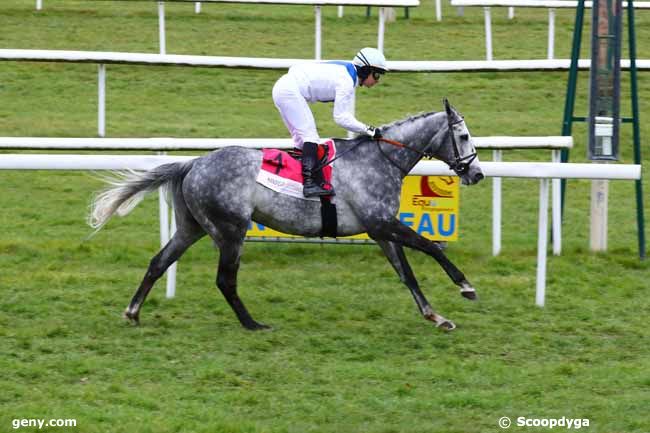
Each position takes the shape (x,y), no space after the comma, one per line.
(282,172)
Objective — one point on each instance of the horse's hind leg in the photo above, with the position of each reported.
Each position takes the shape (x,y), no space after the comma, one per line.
(185,237)
(227,283)
(397,258)
(229,238)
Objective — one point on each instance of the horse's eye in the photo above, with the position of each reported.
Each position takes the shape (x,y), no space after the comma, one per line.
(464,137)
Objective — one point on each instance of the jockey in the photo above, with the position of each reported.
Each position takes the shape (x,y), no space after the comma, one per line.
(328,81)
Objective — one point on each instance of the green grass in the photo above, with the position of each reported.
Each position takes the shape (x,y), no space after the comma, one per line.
(348,351)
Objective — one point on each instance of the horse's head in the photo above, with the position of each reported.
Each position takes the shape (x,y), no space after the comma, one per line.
(457,149)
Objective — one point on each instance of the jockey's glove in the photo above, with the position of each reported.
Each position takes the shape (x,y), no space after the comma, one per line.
(374,133)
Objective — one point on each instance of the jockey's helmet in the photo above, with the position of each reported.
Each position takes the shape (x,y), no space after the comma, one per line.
(370,57)
(369,60)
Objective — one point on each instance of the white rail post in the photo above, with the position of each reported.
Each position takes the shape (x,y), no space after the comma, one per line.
(164,214)
(317,12)
(497,156)
(556,209)
(551,34)
(380,31)
(340,12)
(39,5)
(511,12)
(161,27)
(542,243)
(598,226)
(438,10)
(197,7)
(171,271)
(101,100)
(488,34)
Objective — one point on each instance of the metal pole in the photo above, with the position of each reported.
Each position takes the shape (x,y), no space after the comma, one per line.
(551,33)
(164,214)
(161,27)
(171,271)
(542,243)
(511,13)
(380,32)
(497,155)
(101,100)
(636,128)
(340,12)
(556,209)
(317,12)
(488,34)
(197,7)
(438,10)
(569,102)
(39,5)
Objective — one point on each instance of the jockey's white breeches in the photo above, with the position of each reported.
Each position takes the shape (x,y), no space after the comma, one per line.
(295,111)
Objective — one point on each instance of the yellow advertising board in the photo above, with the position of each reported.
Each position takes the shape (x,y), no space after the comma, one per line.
(429,205)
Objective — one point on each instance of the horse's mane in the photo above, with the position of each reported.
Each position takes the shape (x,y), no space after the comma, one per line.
(410,118)
(394,124)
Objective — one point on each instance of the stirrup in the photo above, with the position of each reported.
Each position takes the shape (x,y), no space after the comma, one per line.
(314,190)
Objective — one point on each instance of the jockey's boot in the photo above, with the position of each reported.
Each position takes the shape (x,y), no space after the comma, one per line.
(309,162)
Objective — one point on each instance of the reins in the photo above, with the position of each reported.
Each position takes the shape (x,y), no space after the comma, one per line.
(337,156)
(460,165)
(402,145)
(386,140)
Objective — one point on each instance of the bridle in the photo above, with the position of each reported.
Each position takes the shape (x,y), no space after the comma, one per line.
(460,164)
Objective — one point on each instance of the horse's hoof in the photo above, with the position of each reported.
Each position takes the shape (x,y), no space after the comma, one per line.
(446,325)
(467,291)
(133,318)
(469,294)
(441,322)
(255,326)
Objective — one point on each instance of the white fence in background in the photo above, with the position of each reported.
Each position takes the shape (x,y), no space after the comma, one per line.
(103,58)
(542,171)
(318,4)
(551,5)
(497,144)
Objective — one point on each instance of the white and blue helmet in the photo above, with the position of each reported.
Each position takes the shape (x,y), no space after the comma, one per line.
(371,58)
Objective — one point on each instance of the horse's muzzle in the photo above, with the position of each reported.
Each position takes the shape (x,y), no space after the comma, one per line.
(478,177)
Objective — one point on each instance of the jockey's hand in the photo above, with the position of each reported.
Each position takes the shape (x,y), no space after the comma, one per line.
(374,133)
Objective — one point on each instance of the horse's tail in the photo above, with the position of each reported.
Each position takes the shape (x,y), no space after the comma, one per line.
(128,188)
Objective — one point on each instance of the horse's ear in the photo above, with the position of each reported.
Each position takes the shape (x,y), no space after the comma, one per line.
(445,101)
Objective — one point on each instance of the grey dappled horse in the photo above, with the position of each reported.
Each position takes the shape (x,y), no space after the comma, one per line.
(218,194)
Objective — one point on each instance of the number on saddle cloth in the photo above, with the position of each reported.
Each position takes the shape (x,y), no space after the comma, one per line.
(287,164)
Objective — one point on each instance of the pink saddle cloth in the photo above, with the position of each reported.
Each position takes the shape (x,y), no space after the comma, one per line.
(281,172)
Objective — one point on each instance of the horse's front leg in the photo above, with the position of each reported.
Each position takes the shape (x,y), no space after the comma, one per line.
(395,231)
(397,258)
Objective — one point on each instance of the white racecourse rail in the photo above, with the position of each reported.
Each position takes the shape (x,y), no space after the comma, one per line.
(551,5)
(103,58)
(382,4)
(497,144)
(543,171)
